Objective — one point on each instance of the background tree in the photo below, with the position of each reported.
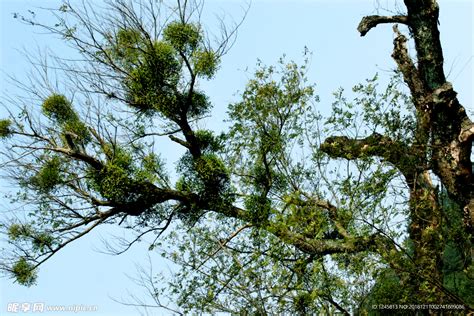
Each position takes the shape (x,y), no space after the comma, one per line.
(264,219)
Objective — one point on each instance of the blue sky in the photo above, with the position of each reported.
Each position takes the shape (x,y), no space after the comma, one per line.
(80,274)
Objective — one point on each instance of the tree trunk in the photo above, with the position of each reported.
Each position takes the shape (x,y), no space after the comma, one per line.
(442,146)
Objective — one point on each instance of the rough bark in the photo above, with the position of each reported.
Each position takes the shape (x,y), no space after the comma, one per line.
(442,143)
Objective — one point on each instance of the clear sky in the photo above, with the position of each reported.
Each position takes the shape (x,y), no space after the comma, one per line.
(79,274)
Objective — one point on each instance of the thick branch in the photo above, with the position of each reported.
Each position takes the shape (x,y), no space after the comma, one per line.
(423,16)
(191,140)
(93,162)
(407,67)
(308,245)
(333,215)
(371,21)
(467,134)
(179,141)
(332,211)
(148,195)
(375,145)
(325,247)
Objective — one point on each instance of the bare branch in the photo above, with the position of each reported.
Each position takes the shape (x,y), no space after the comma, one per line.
(369,22)
(179,141)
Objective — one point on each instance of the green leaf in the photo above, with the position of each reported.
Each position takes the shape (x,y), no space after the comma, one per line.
(5,128)
(59,109)
(24,272)
(184,37)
